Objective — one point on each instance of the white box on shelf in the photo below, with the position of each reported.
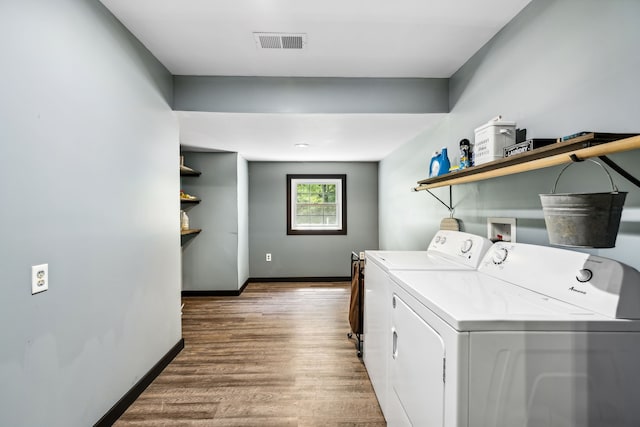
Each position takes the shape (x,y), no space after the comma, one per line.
(490,140)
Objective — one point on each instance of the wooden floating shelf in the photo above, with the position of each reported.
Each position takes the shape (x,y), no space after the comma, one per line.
(190,231)
(185,171)
(187,235)
(190,201)
(544,157)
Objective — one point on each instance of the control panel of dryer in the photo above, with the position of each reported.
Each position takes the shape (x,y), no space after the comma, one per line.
(598,284)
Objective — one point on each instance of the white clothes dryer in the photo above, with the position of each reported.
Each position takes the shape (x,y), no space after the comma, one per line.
(538,336)
(448,250)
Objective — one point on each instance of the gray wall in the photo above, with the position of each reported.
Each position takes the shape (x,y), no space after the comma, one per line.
(308,256)
(310,95)
(243,220)
(210,260)
(559,67)
(89,181)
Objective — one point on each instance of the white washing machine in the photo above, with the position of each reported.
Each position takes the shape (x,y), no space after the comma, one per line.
(448,250)
(538,336)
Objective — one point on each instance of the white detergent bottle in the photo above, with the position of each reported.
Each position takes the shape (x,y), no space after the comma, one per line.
(184,221)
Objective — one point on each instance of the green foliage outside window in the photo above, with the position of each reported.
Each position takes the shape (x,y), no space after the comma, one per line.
(315,204)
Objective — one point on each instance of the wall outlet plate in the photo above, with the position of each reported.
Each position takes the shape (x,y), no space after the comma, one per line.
(39,278)
(268,257)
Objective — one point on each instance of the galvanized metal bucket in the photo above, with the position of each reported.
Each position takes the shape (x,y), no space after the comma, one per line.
(589,220)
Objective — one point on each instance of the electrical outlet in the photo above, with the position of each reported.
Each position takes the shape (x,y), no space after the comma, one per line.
(39,278)
(268,257)
(361,255)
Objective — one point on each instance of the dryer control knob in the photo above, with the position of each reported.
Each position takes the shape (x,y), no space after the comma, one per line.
(444,239)
(466,246)
(500,255)
(584,275)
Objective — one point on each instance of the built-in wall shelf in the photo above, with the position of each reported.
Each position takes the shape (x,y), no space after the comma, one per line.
(190,231)
(186,203)
(550,155)
(189,201)
(186,171)
(186,235)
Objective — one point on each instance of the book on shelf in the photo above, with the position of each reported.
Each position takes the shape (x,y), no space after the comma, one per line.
(595,137)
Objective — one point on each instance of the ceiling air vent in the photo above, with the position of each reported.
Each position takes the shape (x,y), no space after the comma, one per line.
(280,40)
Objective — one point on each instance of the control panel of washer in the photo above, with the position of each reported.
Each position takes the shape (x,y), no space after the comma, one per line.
(463,247)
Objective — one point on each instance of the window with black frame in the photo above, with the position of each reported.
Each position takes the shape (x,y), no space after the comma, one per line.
(316,204)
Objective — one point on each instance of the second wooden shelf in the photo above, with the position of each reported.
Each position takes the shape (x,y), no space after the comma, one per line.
(190,201)
(551,155)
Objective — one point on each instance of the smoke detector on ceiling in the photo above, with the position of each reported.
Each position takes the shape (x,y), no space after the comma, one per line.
(280,40)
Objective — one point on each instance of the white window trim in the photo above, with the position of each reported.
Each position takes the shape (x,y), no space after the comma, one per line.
(294,198)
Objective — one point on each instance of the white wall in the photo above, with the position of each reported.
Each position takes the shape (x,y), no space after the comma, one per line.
(89,153)
(559,67)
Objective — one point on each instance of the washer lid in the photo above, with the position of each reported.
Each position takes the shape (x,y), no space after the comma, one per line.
(478,302)
(448,250)
(414,260)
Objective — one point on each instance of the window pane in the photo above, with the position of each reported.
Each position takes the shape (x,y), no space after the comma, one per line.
(330,220)
(330,210)
(315,220)
(302,198)
(305,220)
(302,210)
(315,210)
(302,188)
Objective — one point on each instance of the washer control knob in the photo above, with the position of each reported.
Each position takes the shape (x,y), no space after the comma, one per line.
(437,239)
(466,246)
(584,275)
(500,255)
(444,239)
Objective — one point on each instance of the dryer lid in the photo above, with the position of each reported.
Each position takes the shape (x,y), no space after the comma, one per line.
(478,302)
(597,284)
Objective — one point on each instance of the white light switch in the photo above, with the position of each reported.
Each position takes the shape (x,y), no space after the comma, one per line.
(39,278)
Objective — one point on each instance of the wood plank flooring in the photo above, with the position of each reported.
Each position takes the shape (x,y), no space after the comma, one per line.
(277,355)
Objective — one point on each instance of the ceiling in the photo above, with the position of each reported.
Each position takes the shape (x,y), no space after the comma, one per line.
(327,137)
(352,38)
